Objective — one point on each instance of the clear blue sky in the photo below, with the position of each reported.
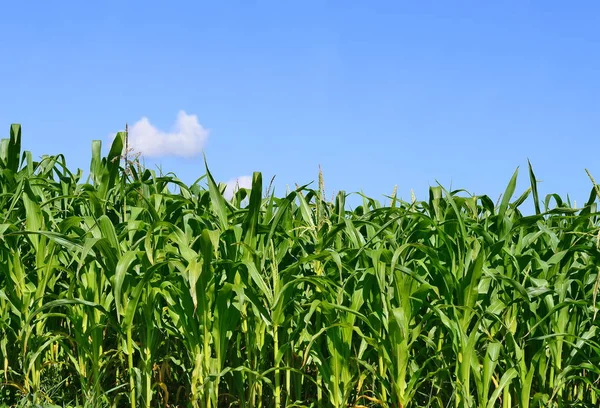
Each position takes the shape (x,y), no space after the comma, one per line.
(377,92)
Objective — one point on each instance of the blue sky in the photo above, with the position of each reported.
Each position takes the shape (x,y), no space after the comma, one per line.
(379,93)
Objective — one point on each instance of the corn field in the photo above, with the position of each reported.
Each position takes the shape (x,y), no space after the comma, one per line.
(117,291)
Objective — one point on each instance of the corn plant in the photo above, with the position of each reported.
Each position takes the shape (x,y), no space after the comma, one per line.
(132,288)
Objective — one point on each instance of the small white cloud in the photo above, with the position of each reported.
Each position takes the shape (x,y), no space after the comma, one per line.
(236,184)
(185,140)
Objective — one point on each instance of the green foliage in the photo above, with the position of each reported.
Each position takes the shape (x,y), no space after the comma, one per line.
(119,292)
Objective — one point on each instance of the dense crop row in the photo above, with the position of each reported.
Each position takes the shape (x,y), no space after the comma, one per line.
(118,291)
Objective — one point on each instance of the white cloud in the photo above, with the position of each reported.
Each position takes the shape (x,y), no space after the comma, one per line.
(235,184)
(185,140)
